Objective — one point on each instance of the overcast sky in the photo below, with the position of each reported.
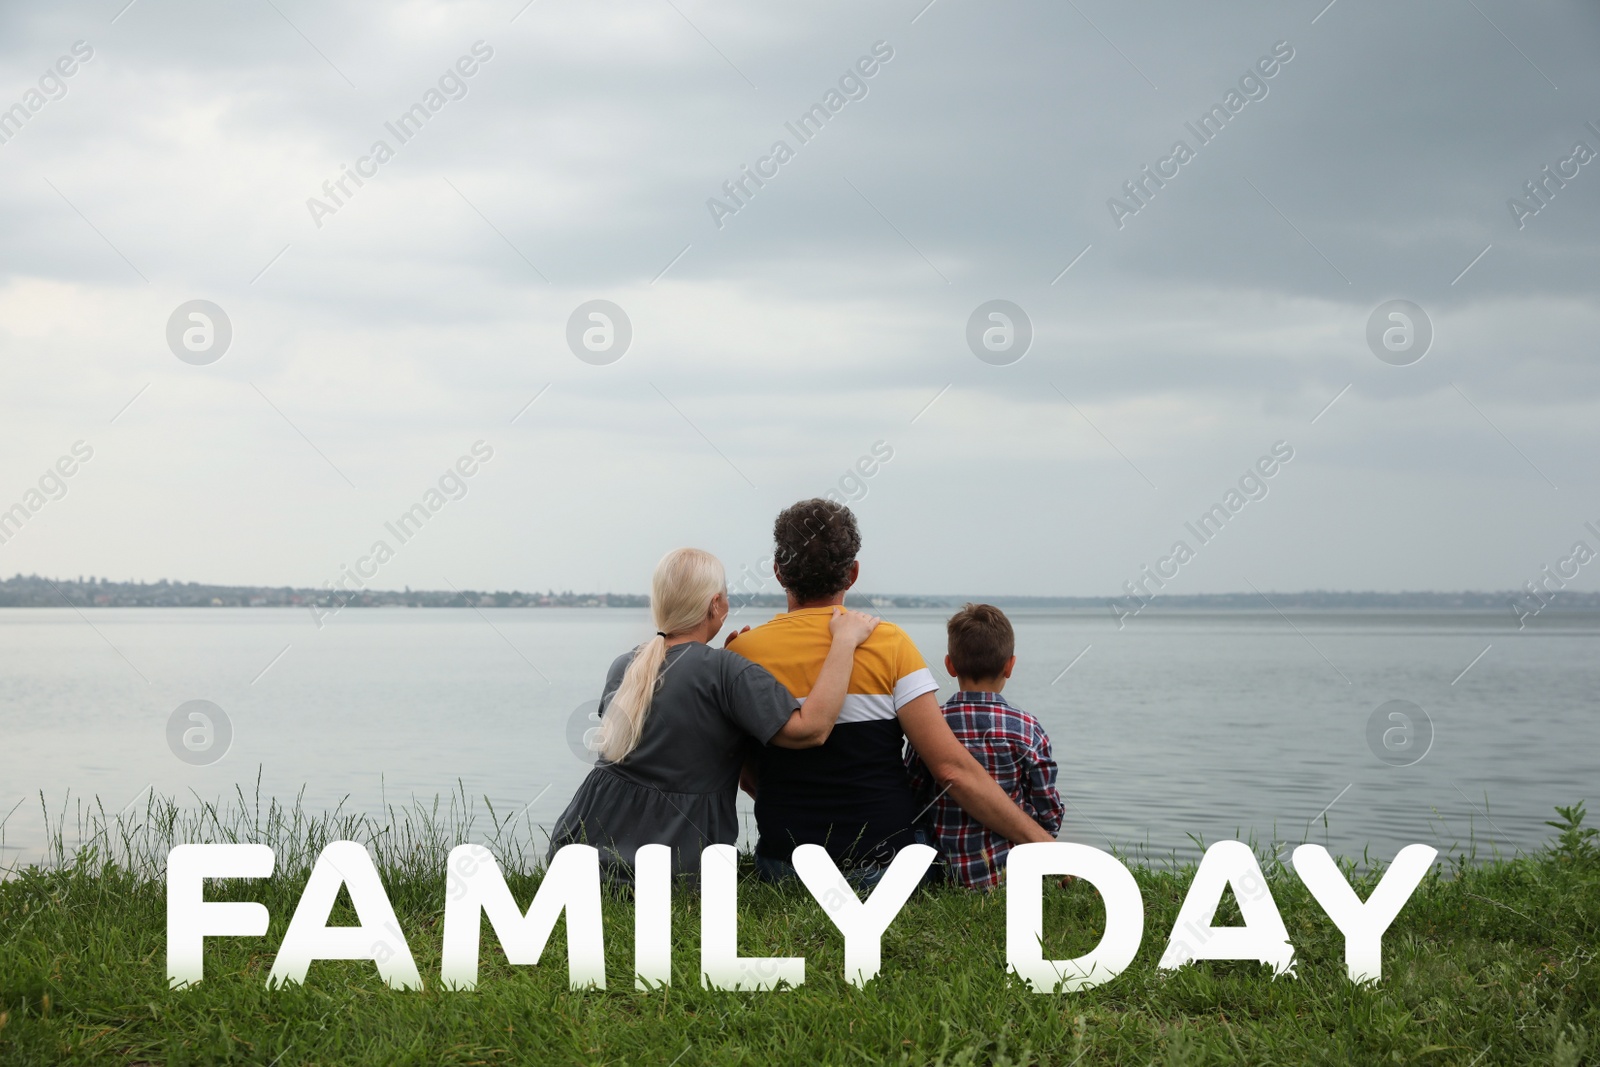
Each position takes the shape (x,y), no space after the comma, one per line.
(376,339)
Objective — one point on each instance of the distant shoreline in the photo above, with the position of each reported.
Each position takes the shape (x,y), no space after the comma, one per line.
(33,591)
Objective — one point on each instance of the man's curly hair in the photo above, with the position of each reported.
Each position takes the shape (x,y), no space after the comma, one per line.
(816,541)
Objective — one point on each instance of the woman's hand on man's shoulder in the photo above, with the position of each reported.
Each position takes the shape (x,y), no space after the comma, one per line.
(853,627)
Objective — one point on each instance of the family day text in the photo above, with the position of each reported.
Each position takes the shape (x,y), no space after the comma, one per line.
(571,884)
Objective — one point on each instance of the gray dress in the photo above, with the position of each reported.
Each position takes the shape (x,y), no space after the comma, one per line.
(677,787)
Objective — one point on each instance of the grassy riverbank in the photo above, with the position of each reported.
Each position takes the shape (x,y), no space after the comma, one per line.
(1489,963)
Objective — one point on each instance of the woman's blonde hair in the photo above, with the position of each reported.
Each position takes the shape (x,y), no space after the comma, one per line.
(681,592)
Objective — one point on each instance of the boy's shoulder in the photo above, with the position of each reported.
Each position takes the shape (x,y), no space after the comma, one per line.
(993,703)
(971,698)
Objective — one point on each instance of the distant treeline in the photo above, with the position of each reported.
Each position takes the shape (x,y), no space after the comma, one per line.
(33,591)
(1318,599)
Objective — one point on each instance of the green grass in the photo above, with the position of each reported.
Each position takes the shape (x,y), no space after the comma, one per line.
(1489,963)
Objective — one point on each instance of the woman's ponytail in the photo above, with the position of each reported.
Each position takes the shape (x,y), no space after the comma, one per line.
(623,720)
(681,590)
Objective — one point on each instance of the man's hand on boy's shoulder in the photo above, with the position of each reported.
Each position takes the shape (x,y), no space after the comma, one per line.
(727,642)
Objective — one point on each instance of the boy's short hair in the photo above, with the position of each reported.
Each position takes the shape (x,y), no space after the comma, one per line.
(981,641)
(816,540)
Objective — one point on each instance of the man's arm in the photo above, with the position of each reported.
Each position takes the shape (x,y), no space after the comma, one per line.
(1039,782)
(954,769)
(917,775)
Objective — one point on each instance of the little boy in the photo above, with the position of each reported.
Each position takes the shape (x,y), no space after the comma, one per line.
(1009,742)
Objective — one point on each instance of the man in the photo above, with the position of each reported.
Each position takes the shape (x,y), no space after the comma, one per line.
(851,794)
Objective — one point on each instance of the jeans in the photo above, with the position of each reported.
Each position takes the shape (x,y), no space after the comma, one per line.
(865,876)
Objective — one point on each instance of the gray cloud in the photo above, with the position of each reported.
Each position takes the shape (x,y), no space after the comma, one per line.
(827,312)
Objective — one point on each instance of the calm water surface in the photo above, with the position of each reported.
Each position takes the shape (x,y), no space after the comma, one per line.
(1180,727)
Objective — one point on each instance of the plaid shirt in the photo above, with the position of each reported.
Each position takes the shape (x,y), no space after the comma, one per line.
(1015,750)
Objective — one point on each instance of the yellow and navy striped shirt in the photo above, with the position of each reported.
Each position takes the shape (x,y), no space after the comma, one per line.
(850,794)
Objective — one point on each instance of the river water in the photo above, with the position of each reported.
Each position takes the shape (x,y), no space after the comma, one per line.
(1182,727)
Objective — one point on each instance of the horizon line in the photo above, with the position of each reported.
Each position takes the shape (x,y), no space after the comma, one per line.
(354,596)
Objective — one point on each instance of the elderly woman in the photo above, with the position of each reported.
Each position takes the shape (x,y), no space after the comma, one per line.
(677,717)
